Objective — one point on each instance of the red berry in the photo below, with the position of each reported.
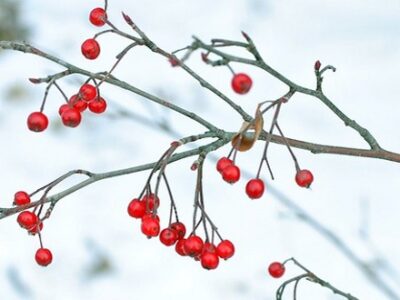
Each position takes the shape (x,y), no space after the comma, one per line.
(222,163)
(180,247)
(77,103)
(62,108)
(98,106)
(255,188)
(150,226)
(241,83)
(27,219)
(173,61)
(209,260)
(193,245)
(151,201)
(151,216)
(179,228)
(168,236)
(304,178)
(317,65)
(209,247)
(71,117)
(37,121)
(136,208)
(90,49)
(21,198)
(36,228)
(231,174)
(87,92)
(276,269)
(43,257)
(98,16)
(225,249)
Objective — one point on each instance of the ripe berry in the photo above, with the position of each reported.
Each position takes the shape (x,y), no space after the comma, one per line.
(151,201)
(71,117)
(209,260)
(98,16)
(241,83)
(36,228)
(151,216)
(136,208)
(43,257)
(62,108)
(231,174)
(193,245)
(21,198)
(276,269)
(255,188)
(87,92)
(209,247)
(90,49)
(150,226)
(27,219)
(304,178)
(225,249)
(180,247)
(222,163)
(98,106)
(168,236)
(77,103)
(179,228)
(37,121)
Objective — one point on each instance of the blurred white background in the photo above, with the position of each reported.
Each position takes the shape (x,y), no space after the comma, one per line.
(99,252)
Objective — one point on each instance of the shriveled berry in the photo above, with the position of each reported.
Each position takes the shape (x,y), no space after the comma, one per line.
(222,163)
(276,269)
(225,249)
(98,106)
(168,236)
(241,83)
(43,257)
(255,188)
(209,260)
(37,121)
(304,178)
(21,198)
(194,245)
(90,49)
(136,208)
(231,174)
(179,228)
(98,16)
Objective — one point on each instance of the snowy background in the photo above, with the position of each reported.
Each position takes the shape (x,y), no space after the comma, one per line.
(99,252)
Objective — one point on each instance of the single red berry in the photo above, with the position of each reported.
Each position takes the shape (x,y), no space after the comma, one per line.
(179,228)
(63,108)
(209,260)
(98,106)
(304,178)
(87,92)
(151,216)
(21,198)
(71,117)
(78,103)
(27,219)
(222,163)
(98,16)
(151,201)
(150,226)
(37,121)
(255,188)
(276,269)
(168,236)
(209,247)
(36,228)
(43,257)
(225,249)
(241,83)
(90,49)
(231,174)
(180,247)
(194,245)
(136,208)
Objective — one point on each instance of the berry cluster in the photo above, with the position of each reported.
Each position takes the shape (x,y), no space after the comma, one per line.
(30,221)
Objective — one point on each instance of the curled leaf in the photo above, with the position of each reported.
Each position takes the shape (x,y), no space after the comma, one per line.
(248,134)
